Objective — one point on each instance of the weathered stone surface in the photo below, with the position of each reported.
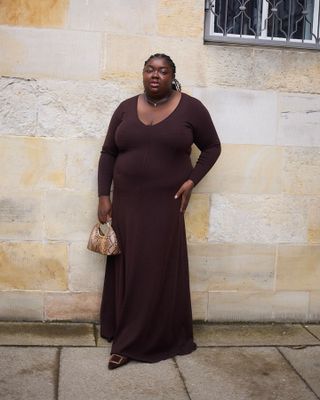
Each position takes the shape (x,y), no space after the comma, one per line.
(258,306)
(21,215)
(229,66)
(314,220)
(136,16)
(82,163)
(86,268)
(28,373)
(40,163)
(44,13)
(244,169)
(299,120)
(52,107)
(124,56)
(314,306)
(176,18)
(306,363)
(298,267)
(301,71)
(72,306)
(50,53)
(62,114)
(35,266)
(199,302)
(230,108)
(18,106)
(231,266)
(84,375)
(23,306)
(267,71)
(252,335)
(258,218)
(301,170)
(46,334)
(241,373)
(70,215)
(197,217)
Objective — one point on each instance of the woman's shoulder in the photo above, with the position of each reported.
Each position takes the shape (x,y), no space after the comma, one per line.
(129,102)
(194,104)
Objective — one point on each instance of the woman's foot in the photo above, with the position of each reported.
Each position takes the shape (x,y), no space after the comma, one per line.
(117,360)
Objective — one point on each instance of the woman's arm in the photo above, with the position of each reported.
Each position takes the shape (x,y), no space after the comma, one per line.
(107,159)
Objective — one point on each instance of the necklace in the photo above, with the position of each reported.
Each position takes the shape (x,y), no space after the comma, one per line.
(161,101)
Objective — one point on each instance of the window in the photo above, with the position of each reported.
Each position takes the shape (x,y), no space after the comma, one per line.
(285,23)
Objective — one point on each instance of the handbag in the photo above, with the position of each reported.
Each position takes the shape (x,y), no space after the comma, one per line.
(103,243)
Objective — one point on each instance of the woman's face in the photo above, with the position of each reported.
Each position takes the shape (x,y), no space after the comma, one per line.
(157,77)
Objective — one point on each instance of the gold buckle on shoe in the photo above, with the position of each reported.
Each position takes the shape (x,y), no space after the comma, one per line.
(117,362)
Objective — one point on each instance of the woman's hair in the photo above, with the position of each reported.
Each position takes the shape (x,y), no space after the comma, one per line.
(175,83)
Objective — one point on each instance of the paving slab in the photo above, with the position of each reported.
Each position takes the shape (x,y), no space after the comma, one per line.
(84,375)
(252,335)
(241,373)
(46,334)
(315,329)
(28,373)
(307,362)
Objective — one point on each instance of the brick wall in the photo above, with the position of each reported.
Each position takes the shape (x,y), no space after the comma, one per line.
(253,223)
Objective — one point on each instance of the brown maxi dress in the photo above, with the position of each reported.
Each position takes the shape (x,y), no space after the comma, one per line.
(146,308)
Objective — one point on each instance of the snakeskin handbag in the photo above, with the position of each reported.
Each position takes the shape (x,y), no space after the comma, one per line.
(103,243)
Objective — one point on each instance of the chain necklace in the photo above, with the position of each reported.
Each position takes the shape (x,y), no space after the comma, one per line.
(161,101)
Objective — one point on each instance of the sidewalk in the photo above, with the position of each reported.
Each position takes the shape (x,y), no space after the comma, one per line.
(68,361)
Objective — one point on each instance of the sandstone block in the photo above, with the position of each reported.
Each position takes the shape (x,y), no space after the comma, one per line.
(231,267)
(44,13)
(298,267)
(301,71)
(199,302)
(229,66)
(50,53)
(21,215)
(314,220)
(314,306)
(70,215)
(299,120)
(301,170)
(19,106)
(82,163)
(230,108)
(267,72)
(244,169)
(124,57)
(258,306)
(21,305)
(87,269)
(72,306)
(258,218)
(33,266)
(197,216)
(62,114)
(40,163)
(136,16)
(176,18)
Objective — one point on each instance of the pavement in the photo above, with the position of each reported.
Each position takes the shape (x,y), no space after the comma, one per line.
(238,361)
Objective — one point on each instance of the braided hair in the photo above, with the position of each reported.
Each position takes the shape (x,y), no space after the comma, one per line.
(175,83)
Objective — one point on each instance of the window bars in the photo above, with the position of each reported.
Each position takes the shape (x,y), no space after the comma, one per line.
(284,23)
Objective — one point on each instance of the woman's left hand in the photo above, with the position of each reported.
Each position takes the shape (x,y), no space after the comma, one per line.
(185,193)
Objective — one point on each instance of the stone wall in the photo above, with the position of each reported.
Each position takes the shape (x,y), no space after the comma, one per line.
(253,222)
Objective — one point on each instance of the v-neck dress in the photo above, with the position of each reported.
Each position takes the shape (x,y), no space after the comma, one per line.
(145,307)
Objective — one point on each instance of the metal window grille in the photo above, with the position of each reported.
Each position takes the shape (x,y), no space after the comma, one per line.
(284,23)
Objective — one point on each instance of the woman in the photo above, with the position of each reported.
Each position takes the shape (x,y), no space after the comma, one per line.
(146,307)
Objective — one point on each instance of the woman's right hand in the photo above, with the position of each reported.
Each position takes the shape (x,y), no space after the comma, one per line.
(104,209)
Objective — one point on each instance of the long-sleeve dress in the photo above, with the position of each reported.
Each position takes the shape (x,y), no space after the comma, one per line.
(146,307)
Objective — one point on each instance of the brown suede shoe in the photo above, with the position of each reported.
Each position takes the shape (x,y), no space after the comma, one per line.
(117,360)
